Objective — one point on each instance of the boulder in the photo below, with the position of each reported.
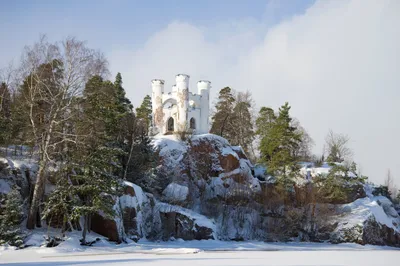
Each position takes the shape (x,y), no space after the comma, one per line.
(106,227)
(175,193)
(370,220)
(178,222)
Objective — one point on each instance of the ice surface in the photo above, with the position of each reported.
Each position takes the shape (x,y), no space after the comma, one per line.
(206,252)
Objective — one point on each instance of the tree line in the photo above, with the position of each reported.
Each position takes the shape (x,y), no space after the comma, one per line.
(61,105)
(278,141)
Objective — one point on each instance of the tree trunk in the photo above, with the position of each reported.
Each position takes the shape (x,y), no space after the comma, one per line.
(37,196)
(85,228)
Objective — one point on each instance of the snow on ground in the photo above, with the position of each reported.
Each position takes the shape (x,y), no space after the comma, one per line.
(207,252)
(379,207)
(308,169)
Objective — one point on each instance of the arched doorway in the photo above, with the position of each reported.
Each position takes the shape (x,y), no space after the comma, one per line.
(192,123)
(170,125)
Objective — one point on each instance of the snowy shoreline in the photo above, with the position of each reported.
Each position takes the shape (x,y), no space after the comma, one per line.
(205,252)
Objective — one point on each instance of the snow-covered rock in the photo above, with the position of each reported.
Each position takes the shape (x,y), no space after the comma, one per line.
(213,178)
(135,216)
(16,172)
(178,222)
(175,193)
(370,220)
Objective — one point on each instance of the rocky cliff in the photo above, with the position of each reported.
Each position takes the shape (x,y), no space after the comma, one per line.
(210,192)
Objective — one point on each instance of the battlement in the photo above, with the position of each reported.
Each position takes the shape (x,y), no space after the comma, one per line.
(180,106)
(157,82)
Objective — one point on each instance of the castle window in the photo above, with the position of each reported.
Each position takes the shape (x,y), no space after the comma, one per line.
(170,124)
(192,123)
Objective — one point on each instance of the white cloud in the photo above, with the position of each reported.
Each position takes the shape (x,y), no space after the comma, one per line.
(338,65)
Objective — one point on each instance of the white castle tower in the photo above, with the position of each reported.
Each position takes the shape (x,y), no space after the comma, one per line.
(180,109)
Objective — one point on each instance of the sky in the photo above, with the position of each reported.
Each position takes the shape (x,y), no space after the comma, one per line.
(337,62)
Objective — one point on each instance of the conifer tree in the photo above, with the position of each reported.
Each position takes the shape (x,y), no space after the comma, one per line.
(265,121)
(89,176)
(5,113)
(124,105)
(222,120)
(143,113)
(280,142)
(11,218)
(243,122)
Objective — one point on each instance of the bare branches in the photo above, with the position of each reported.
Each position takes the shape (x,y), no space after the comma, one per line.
(54,76)
(307,143)
(389,183)
(337,147)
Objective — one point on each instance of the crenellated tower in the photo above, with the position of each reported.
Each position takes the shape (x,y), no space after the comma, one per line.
(182,86)
(203,89)
(157,86)
(180,108)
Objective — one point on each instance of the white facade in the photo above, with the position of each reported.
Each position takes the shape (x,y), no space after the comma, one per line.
(180,109)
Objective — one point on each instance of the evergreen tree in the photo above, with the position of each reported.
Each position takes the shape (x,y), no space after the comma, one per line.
(243,122)
(5,113)
(280,142)
(335,187)
(89,176)
(265,121)
(123,104)
(96,184)
(144,112)
(11,218)
(222,120)
(124,122)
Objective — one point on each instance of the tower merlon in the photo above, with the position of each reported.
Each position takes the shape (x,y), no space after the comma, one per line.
(182,78)
(157,86)
(157,82)
(203,85)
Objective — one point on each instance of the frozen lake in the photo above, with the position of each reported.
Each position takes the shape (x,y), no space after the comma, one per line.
(204,253)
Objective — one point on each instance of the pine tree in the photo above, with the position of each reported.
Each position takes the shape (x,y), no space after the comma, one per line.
(5,113)
(96,184)
(123,104)
(124,121)
(100,165)
(265,121)
(11,218)
(222,120)
(89,176)
(144,112)
(280,142)
(243,122)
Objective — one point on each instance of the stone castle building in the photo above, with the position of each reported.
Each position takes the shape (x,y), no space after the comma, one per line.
(180,109)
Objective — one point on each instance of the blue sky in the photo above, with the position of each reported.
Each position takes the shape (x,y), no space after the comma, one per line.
(337,62)
(118,24)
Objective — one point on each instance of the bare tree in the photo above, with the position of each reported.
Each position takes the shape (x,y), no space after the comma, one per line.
(307,143)
(54,75)
(337,149)
(389,183)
